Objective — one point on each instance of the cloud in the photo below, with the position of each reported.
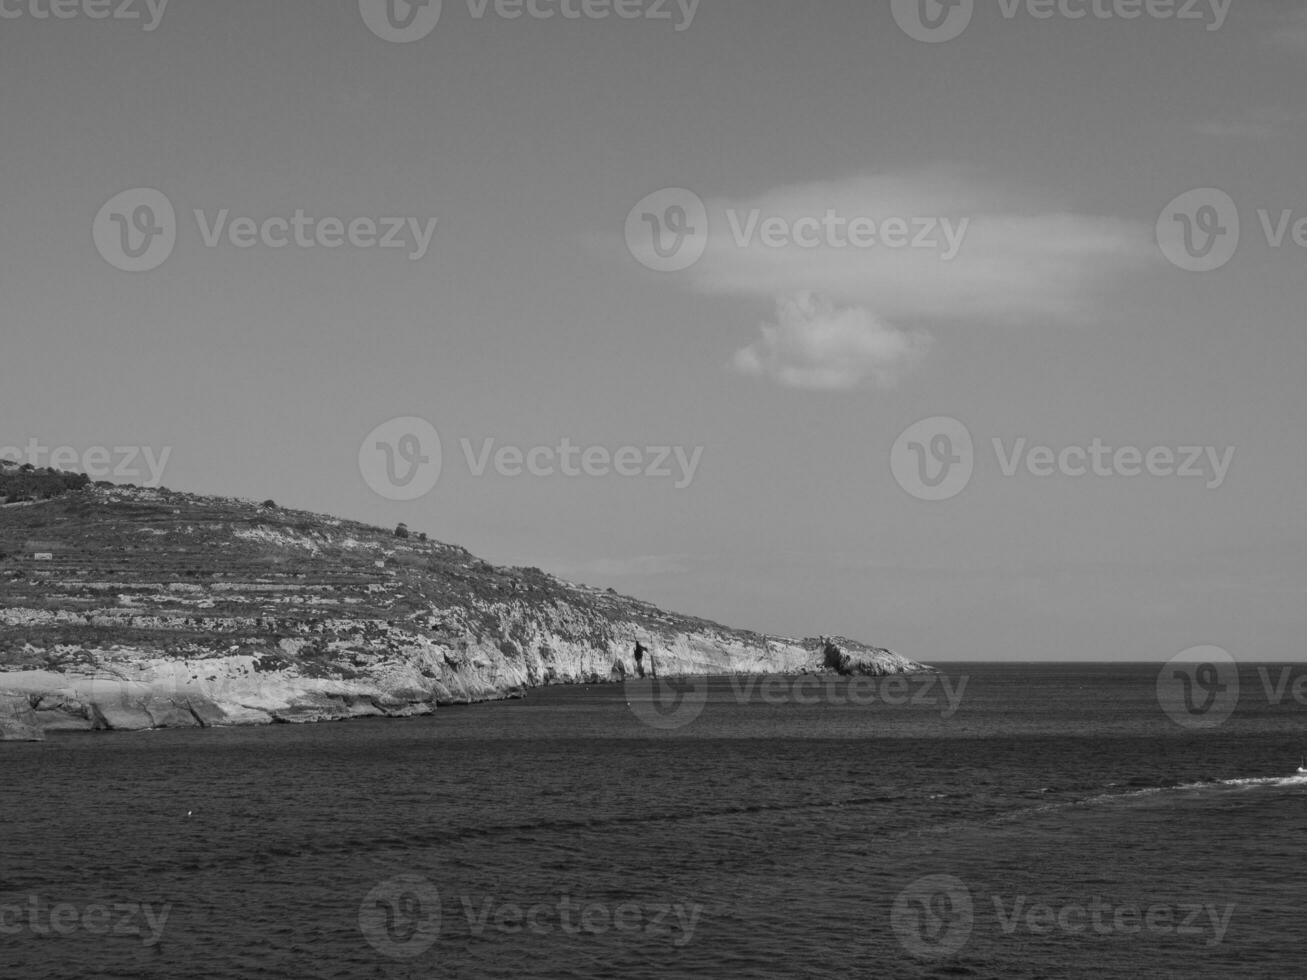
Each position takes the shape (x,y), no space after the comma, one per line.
(982,254)
(814,344)
(860,268)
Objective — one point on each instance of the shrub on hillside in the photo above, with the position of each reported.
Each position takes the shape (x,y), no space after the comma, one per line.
(29,483)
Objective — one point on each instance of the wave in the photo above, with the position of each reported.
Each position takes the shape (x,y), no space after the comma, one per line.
(1274,781)
(1208,785)
(1118,798)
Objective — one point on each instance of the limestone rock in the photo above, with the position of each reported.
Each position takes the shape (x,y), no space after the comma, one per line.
(18,722)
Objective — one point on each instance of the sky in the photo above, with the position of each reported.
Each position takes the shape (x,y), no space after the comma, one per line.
(974,331)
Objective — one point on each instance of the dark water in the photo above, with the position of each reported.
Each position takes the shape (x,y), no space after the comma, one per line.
(1080,830)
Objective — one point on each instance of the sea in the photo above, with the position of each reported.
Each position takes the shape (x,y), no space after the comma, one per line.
(992,821)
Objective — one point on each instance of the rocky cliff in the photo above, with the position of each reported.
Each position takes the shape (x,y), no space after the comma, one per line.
(126,608)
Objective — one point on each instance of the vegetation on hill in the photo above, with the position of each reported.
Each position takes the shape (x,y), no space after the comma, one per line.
(27,482)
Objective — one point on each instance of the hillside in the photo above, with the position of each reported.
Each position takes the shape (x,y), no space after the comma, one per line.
(128,608)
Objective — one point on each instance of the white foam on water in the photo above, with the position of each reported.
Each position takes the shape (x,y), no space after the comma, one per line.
(1246,783)
(1217,784)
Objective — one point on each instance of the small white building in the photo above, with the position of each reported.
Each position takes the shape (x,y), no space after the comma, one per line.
(43,556)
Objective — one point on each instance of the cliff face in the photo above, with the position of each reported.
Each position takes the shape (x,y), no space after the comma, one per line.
(123,608)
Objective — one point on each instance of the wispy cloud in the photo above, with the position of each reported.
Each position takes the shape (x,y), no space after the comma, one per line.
(1017,261)
(944,248)
(814,344)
